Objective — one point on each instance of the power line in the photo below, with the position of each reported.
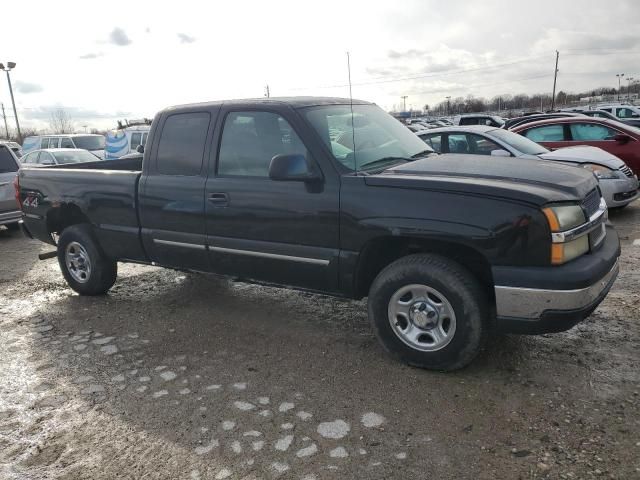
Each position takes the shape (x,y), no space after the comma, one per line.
(379,80)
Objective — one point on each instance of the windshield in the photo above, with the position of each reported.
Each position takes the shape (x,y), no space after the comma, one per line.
(379,138)
(520,143)
(76,156)
(90,142)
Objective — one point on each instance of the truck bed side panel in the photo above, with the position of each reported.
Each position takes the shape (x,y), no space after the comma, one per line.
(104,198)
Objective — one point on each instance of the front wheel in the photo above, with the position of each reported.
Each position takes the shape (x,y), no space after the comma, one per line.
(84,265)
(429,311)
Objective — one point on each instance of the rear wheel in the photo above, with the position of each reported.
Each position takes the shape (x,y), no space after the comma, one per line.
(84,265)
(429,311)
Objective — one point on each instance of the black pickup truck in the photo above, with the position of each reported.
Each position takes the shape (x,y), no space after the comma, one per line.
(340,198)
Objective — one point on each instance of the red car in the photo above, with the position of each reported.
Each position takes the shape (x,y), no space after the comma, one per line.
(620,140)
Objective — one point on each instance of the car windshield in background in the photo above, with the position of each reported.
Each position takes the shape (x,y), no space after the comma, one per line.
(90,142)
(380,140)
(78,156)
(520,143)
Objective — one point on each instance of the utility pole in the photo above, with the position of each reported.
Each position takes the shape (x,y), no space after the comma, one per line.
(555,78)
(404,102)
(619,75)
(266,91)
(6,129)
(10,66)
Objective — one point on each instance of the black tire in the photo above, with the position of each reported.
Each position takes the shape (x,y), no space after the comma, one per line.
(13,227)
(464,295)
(103,270)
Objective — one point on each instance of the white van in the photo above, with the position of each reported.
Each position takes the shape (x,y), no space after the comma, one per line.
(87,141)
(125,140)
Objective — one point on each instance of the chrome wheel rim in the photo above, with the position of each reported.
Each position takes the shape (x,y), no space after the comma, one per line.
(78,262)
(422,317)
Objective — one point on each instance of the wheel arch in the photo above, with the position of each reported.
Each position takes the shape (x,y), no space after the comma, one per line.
(64,216)
(379,252)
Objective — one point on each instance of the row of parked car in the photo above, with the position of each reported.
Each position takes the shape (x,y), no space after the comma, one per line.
(591,139)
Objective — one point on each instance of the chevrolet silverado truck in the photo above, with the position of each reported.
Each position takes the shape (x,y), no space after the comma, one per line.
(337,197)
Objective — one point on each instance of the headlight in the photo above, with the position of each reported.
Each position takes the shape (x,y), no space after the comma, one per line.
(564,252)
(564,217)
(603,173)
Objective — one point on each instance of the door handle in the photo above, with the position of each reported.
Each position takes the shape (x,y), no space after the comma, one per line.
(219,199)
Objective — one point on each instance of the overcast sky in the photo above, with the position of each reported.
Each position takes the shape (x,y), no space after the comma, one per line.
(109,60)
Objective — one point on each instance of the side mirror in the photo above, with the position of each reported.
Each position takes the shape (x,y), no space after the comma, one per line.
(292,167)
(140,149)
(622,138)
(500,153)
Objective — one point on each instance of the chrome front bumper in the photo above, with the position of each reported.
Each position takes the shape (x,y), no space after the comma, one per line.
(532,303)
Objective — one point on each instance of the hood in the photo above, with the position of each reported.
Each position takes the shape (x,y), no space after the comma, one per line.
(520,179)
(584,154)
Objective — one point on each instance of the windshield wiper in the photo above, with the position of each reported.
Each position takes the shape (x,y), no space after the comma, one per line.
(424,153)
(384,160)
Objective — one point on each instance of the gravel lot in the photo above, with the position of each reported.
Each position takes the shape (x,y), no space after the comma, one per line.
(178,375)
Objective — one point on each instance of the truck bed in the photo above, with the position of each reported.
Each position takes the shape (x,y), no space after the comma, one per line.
(103,193)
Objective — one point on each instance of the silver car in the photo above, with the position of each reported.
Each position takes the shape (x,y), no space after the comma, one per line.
(9,165)
(57,156)
(615,177)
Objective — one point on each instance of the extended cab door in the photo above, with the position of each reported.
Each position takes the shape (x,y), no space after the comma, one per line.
(283,232)
(171,194)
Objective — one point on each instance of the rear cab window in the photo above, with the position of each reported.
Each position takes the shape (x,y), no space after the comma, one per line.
(182,143)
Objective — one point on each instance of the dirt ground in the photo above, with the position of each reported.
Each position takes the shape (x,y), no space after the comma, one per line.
(178,376)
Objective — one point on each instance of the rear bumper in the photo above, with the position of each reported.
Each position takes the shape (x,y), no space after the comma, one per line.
(10,217)
(574,291)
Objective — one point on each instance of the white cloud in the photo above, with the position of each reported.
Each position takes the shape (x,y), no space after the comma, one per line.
(119,37)
(27,87)
(184,38)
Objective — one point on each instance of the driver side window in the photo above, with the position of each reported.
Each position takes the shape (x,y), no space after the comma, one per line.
(251,139)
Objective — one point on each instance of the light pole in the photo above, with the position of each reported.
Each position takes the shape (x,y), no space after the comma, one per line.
(629,82)
(619,75)
(10,66)
(448,104)
(404,102)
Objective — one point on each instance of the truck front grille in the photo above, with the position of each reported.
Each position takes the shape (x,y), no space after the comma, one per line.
(591,202)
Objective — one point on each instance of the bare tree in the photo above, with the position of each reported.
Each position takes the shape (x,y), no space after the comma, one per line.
(60,121)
